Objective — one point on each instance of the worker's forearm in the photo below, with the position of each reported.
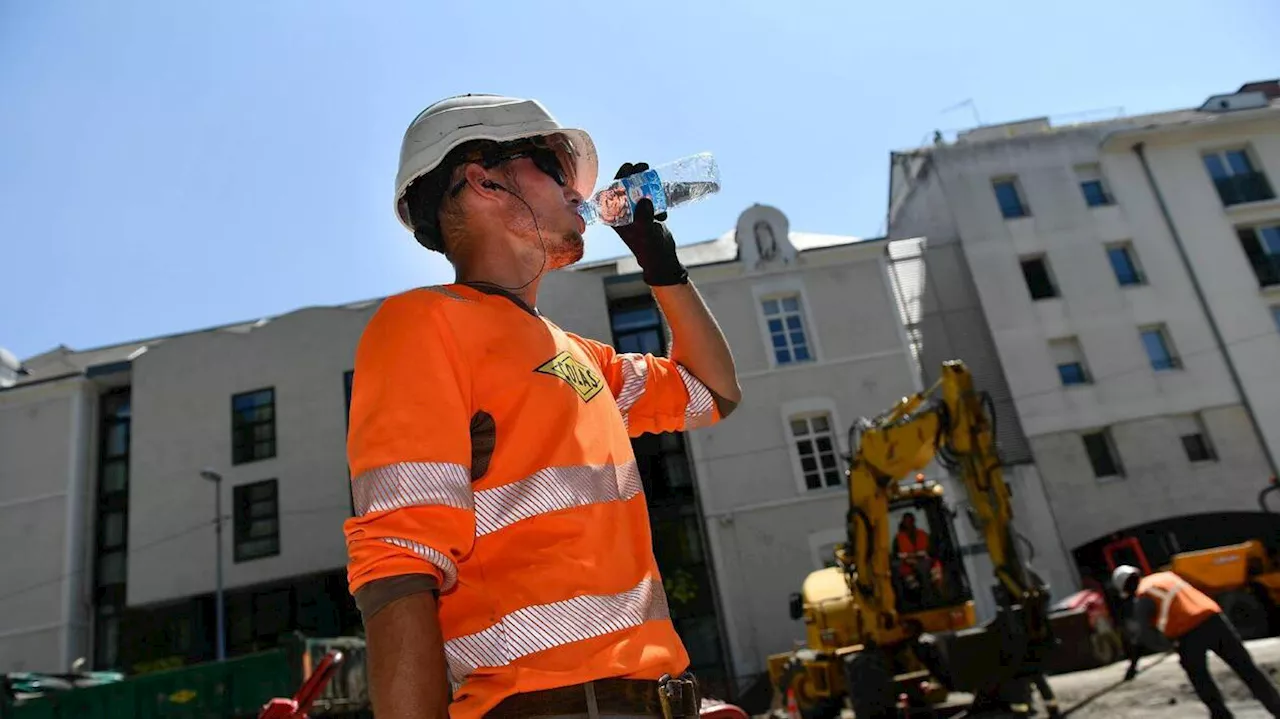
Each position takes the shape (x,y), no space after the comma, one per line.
(698,344)
(408,676)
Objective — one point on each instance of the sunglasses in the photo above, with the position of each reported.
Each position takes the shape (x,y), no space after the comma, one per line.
(553,156)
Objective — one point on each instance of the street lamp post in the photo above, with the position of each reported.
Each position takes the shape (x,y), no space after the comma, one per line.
(216,478)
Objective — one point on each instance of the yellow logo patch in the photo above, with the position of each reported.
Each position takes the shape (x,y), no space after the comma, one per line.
(580,377)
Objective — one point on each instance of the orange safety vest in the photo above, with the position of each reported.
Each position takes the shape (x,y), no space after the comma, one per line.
(1180,607)
(491,449)
(908,544)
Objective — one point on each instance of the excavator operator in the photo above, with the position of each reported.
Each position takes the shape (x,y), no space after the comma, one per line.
(920,570)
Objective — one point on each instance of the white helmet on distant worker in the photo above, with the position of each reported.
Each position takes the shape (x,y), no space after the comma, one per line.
(1121,577)
(454,121)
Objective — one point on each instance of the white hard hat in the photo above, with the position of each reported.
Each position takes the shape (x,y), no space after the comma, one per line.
(1121,576)
(464,118)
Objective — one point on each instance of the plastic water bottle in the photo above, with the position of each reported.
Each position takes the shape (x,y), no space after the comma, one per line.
(676,183)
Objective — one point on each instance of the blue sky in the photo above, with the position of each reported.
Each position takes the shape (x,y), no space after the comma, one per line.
(167,166)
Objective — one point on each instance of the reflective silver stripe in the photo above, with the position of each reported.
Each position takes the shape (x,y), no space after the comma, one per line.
(698,412)
(439,559)
(410,484)
(541,627)
(553,489)
(635,372)
(1166,601)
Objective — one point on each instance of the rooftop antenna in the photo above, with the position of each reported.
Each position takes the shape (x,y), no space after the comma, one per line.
(968,102)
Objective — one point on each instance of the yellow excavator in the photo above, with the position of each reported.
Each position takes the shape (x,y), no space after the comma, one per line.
(893,621)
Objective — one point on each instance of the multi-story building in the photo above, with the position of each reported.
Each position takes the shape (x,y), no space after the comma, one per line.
(1127,275)
(103,451)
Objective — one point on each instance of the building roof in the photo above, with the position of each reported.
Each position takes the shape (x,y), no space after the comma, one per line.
(718,250)
(1255,95)
(63,360)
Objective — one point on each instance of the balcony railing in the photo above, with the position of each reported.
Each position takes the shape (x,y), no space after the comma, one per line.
(1244,187)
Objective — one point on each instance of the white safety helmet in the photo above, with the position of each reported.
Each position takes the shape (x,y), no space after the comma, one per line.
(456,120)
(1121,576)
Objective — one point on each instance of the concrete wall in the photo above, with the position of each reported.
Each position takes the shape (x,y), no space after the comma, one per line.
(1208,231)
(764,527)
(1127,395)
(46,432)
(182,393)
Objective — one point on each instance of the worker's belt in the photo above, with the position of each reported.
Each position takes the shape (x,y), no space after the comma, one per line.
(668,697)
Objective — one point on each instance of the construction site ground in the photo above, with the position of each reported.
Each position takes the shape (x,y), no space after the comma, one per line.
(1160,690)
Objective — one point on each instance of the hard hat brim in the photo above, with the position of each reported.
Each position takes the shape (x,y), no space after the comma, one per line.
(584,149)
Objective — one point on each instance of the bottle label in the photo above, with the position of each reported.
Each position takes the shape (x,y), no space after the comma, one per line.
(642,185)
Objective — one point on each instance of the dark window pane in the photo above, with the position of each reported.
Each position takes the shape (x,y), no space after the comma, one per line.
(1099,449)
(116,406)
(111,531)
(791,304)
(812,481)
(1094,194)
(1036,273)
(828,460)
(257,528)
(799,427)
(1010,202)
(833,478)
(115,476)
(1072,373)
(824,443)
(1197,448)
(117,439)
(782,356)
(1270,239)
(779,341)
(1157,350)
(802,354)
(775,325)
(1217,170)
(1123,265)
(770,307)
(1238,161)
(701,639)
(794,323)
(808,465)
(111,568)
(643,318)
(821,424)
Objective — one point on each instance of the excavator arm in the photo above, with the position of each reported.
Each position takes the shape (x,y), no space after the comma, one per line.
(952,423)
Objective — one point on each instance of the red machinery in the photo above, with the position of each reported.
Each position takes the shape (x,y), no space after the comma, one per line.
(297,707)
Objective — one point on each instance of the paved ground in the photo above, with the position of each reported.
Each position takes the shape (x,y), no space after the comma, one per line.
(1161,688)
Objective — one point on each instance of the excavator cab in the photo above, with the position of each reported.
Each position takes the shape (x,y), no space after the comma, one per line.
(927,566)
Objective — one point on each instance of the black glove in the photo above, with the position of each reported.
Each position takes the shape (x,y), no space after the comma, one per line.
(650,240)
(1131,673)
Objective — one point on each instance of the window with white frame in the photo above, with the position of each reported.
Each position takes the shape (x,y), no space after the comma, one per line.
(815,446)
(788,335)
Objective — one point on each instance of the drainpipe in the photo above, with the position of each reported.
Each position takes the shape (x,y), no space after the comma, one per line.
(1140,150)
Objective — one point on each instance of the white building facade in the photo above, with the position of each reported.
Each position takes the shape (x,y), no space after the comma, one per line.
(1141,418)
(103,452)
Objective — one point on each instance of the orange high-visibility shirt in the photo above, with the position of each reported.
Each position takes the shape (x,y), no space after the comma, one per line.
(1180,607)
(491,449)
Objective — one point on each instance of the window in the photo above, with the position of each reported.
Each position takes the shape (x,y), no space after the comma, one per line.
(1195,438)
(1275,315)
(784,317)
(1159,348)
(1069,358)
(348,378)
(253,426)
(1262,247)
(1035,270)
(637,326)
(1091,185)
(1009,198)
(257,520)
(816,447)
(1102,454)
(1235,178)
(1125,264)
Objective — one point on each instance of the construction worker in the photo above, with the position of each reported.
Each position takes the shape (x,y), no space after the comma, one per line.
(1195,624)
(500,550)
(915,562)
